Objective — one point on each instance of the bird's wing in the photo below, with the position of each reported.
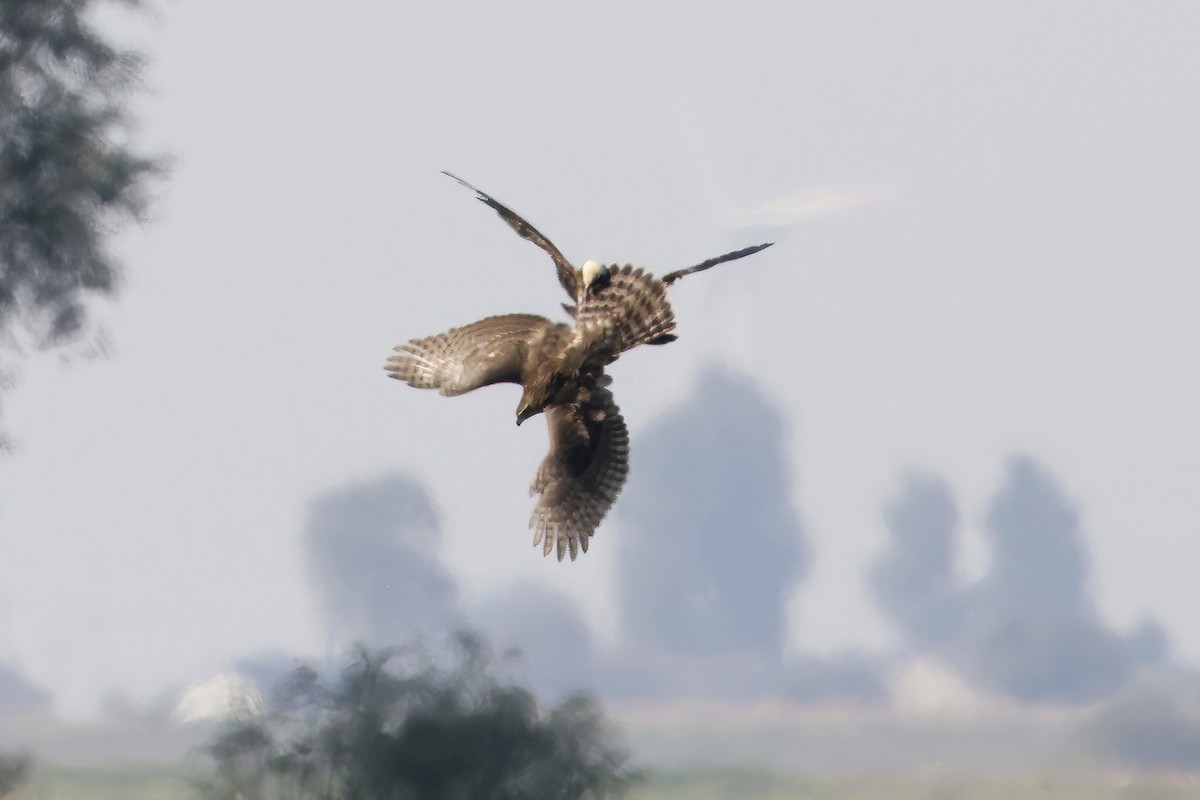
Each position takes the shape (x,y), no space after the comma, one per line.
(461,359)
(671,277)
(566,273)
(627,307)
(583,473)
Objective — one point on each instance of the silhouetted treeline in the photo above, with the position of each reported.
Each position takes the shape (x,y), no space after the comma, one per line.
(1029,627)
(398,725)
(372,560)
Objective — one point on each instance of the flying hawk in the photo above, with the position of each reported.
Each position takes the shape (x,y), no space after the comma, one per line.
(561,370)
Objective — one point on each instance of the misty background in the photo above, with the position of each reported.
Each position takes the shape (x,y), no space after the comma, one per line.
(931,457)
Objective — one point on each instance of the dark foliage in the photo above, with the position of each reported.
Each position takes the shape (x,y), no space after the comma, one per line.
(398,726)
(68,177)
(14,769)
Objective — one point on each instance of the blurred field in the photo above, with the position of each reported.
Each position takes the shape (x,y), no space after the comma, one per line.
(49,782)
(755,785)
(177,783)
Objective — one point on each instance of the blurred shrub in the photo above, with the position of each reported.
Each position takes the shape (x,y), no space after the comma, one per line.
(14,769)
(396,724)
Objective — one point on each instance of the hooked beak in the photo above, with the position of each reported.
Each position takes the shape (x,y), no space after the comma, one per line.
(524,414)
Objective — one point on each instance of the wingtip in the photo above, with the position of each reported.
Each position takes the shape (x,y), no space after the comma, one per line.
(481,195)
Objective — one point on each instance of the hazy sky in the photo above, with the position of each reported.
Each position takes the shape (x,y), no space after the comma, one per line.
(986,218)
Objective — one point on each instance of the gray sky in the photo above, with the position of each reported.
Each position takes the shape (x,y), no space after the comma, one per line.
(986,218)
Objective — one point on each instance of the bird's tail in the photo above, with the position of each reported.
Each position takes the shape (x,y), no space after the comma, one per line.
(629,307)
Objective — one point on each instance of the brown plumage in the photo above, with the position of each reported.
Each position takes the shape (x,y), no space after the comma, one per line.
(561,370)
(582,474)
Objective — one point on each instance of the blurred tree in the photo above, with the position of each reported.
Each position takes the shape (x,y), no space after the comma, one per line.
(397,726)
(14,769)
(68,176)
(711,504)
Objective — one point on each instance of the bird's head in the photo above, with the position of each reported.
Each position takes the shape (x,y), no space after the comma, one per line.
(539,391)
(533,401)
(524,412)
(594,274)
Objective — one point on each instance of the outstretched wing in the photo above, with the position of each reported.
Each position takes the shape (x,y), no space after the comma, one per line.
(671,277)
(625,307)
(567,275)
(583,473)
(461,359)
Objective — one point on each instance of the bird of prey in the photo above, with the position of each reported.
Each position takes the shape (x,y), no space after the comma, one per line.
(560,368)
